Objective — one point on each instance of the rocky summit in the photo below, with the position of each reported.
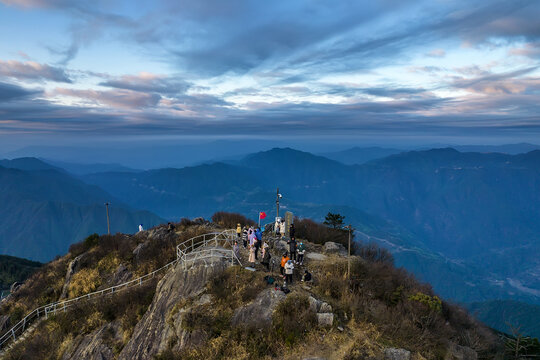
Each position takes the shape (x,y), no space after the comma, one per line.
(216,307)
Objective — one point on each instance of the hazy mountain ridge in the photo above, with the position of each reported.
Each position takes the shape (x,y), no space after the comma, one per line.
(462,221)
(360,155)
(14,269)
(502,314)
(43,211)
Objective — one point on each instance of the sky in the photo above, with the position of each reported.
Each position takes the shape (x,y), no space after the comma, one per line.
(385,71)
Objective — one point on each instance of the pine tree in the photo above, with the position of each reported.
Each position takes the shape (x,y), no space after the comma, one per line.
(334,220)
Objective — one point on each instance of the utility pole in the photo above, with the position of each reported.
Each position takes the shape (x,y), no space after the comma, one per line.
(108,221)
(349,258)
(278,195)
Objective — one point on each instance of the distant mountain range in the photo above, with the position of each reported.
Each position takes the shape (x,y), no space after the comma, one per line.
(360,155)
(459,219)
(45,209)
(466,222)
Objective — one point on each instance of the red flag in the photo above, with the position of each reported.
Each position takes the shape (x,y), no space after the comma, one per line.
(262,215)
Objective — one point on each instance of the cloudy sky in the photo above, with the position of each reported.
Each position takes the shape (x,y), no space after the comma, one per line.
(466,71)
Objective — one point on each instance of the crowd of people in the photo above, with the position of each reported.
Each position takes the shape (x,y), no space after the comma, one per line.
(252,241)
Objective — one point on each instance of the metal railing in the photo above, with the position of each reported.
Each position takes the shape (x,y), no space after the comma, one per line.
(188,252)
(217,244)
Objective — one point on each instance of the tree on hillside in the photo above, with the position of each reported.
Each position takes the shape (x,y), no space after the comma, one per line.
(334,220)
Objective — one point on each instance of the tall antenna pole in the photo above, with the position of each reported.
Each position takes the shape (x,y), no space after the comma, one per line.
(277,202)
(108,221)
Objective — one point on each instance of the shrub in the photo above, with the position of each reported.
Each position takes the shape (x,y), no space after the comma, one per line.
(91,241)
(373,253)
(230,220)
(235,286)
(83,282)
(186,222)
(319,234)
(432,302)
(292,319)
(207,318)
(49,339)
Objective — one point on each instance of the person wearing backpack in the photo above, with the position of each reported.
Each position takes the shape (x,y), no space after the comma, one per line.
(301,249)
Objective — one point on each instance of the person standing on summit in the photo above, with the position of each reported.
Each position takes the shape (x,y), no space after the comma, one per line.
(238,231)
(291,231)
(292,248)
(245,236)
(258,243)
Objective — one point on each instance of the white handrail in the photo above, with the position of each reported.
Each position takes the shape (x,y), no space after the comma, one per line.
(182,250)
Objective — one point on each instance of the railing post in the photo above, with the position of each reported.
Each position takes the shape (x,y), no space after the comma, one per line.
(13,333)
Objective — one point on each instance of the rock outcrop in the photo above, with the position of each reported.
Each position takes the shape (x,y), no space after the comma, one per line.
(325,316)
(71,270)
(98,345)
(121,275)
(334,248)
(458,352)
(160,326)
(259,312)
(396,354)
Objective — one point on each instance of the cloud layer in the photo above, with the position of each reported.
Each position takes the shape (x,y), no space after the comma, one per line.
(304,68)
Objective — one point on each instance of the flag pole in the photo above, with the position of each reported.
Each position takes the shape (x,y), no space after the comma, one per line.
(259,219)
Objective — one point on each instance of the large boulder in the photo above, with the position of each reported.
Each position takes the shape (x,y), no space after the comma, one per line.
(396,354)
(458,352)
(316,256)
(331,247)
(314,304)
(325,319)
(259,312)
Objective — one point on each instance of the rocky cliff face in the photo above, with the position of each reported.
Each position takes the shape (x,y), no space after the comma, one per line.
(162,323)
